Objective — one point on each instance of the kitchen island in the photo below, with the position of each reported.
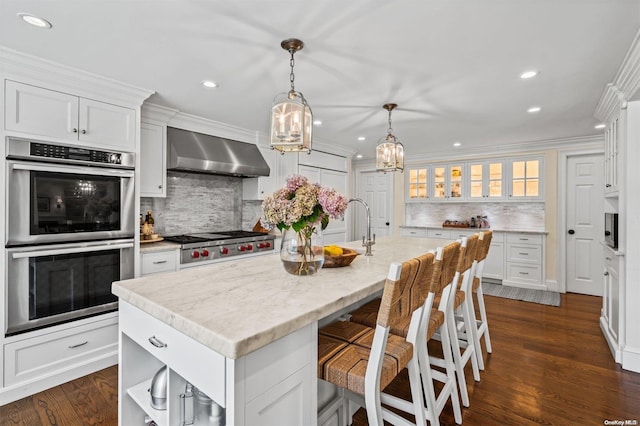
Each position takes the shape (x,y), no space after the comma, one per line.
(243,332)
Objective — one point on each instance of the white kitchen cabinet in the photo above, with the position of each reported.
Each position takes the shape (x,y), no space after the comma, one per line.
(159,261)
(612,144)
(494,263)
(485,180)
(413,232)
(281,166)
(524,261)
(153,160)
(47,113)
(610,317)
(444,234)
(336,231)
(417,183)
(268,386)
(525,179)
(447,182)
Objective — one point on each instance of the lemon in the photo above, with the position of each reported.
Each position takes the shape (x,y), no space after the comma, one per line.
(332,250)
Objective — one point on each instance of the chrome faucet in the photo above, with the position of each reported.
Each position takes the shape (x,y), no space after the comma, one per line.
(368,242)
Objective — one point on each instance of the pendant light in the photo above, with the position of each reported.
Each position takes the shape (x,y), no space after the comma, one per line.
(389,152)
(291,116)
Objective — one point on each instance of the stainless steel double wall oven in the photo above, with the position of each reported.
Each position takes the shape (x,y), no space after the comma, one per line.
(69,231)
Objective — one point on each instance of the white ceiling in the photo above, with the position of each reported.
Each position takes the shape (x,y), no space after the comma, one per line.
(452,66)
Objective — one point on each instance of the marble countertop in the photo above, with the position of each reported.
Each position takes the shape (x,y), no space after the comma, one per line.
(158,246)
(518,230)
(239,306)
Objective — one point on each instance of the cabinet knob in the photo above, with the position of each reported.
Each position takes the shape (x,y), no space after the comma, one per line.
(83,131)
(386,223)
(571,232)
(74,130)
(159,186)
(608,185)
(606,274)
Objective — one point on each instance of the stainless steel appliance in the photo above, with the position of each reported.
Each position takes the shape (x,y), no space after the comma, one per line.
(52,284)
(203,248)
(70,231)
(611,229)
(61,194)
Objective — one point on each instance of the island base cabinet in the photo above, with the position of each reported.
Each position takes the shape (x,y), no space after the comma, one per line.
(273,385)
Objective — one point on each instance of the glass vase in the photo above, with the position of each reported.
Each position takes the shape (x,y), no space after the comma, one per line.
(302,252)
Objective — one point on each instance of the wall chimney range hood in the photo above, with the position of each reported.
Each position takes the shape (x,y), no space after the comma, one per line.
(189,151)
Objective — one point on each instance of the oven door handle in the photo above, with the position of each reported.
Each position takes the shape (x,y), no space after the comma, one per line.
(69,250)
(61,168)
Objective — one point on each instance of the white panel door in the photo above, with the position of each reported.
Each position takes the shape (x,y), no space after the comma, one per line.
(375,189)
(585,224)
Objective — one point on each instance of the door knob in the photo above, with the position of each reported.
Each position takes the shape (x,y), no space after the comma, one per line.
(571,232)
(386,223)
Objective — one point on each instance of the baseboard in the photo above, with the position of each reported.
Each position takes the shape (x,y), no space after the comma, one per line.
(631,359)
(553,285)
(611,341)
(524,285)
(24,389)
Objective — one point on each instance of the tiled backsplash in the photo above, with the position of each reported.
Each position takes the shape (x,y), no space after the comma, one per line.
(197,203)
(528,216)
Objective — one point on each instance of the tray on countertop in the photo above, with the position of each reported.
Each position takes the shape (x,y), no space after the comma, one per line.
(155,240)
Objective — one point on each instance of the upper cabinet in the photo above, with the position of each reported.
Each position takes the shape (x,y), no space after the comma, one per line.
(153,160)
(516,179)
(36,111)
(448,182)
(525,178)
(486,180)
(612,138)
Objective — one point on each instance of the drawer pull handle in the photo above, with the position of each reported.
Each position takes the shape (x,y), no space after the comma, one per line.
(607,258)
(524,254)
(523,273)
(158,262)
(77,345)
(156,342)
(524,239)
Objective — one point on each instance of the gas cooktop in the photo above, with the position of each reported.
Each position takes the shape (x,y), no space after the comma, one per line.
(210,246)
(212,236)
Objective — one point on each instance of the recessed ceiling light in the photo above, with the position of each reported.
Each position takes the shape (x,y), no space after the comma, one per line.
(209,84)
(534,109)
(600,126)
(361,138)
(359,156)
(457,144)
(528,74)
(35,20)
(317,122)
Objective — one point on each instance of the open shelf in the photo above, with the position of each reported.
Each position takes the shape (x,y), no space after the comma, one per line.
(140,394)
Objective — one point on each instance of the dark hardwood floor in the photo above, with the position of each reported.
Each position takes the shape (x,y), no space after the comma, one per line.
(549,366)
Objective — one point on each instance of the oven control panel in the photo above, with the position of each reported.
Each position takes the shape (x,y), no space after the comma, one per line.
(205,253)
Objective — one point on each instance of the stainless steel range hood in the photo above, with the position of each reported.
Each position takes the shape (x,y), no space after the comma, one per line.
(196,152)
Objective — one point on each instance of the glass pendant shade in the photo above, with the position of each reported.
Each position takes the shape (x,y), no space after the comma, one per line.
(390,155)
(291,123)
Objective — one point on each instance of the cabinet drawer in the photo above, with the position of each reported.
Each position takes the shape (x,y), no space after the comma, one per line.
(524,238)
(33,357)
(413,232)
(524,273)
(161,261)
(457,233)
(439,233)
(204,367)
(524,253)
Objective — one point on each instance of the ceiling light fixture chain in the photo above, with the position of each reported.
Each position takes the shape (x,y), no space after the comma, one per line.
(292,76)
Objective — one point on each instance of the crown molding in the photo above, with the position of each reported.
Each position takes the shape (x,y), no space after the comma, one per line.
(155,112)
(204,125)
(624,85)
(33,70)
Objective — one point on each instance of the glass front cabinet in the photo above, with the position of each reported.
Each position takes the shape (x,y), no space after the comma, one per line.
(486,180)
(515,179)
(448,182)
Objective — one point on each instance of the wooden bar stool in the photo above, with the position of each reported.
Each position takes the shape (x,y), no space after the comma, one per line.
(370,359)
(463,348)
(432,321)
(482,325)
